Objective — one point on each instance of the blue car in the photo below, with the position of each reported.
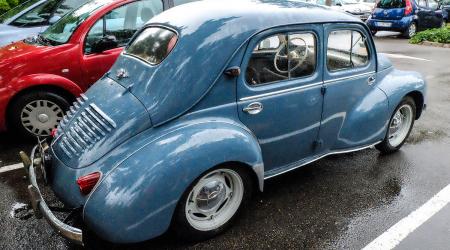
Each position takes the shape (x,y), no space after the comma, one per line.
(33,17)
(406,16)
(208,101)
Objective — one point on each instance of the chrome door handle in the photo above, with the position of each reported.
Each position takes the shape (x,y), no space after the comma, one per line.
(253,108)
(371,80)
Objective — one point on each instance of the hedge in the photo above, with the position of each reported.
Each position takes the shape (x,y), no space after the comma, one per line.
(6,5)
(441,35)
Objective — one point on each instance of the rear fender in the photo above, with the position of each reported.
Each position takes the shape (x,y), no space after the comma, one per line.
(45,79)
(136,200)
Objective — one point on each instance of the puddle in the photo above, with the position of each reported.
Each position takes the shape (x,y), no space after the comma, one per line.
(21,211)
(418,136)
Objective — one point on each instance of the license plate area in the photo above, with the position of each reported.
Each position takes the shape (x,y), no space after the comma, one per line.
(383,24)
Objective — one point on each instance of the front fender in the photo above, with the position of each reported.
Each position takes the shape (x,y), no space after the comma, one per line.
(28,81)
(136,200)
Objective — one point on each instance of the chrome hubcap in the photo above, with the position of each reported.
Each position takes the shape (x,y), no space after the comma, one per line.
(412,30)
(41,117)
(214,199)
(400,125)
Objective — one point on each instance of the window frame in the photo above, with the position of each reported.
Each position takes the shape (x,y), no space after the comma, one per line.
(287,32)
(369,53)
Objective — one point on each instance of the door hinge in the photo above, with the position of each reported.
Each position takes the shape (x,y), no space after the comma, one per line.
(323,90)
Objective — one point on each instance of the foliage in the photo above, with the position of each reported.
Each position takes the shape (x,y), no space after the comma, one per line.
(4,6)
(434,35)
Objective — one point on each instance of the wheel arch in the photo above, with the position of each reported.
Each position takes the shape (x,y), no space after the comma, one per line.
(419,101)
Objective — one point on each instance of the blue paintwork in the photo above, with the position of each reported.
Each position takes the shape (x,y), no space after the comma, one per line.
(183,117)
(424,17)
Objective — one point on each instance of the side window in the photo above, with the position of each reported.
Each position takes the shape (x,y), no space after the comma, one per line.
(346,49)
(68,5)
(123,22)
(180,2)
(37,16)
(282,57)
(432,4)
(422,3)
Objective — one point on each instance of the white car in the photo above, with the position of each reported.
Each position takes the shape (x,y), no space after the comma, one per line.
(359,9)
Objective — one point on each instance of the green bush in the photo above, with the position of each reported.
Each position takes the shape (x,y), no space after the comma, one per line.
(12,3)
(434,35)
(4,6)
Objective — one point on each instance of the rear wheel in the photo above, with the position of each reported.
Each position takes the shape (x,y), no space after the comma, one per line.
(400,126)
(211,204)
(411,30)
(37,113)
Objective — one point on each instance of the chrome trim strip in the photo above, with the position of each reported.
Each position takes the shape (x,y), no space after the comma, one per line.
(84,97)
(278,92)
(89,120)
(66,141)
(103,115)
(323,156)
(349,77)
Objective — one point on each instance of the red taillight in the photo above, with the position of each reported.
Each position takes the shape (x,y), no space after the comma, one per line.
(87,182)
(54,132)
(408,8)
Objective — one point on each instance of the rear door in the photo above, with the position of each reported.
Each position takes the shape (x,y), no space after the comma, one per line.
(279,96)
(121,23)
(355,110)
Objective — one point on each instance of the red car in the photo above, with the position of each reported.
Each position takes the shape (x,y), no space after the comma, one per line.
(40,77)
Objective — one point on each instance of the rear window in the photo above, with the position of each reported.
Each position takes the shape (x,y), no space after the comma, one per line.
(391,4)
(153,45)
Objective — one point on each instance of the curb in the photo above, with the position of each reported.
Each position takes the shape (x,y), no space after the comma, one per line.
(435,44)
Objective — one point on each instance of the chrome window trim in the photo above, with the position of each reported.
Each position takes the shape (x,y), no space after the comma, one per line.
(349,77)
(336,152)
(278,92)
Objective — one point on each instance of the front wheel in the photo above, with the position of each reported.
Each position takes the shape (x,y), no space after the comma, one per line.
(210,205)
(400,126)
(411,30)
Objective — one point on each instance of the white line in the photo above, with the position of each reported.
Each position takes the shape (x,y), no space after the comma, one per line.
(11,167)
(406,57)
(394,235)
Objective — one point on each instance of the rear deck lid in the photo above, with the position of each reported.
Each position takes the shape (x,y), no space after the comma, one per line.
(390,10)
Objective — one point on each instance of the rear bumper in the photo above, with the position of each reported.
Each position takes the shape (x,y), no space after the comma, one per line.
(395,25)
(39,205)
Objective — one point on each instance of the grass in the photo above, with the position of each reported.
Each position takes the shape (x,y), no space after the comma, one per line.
(441,35)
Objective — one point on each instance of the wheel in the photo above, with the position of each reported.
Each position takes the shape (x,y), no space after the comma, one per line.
(37,113)
(411,30)
(211,204)
(400,126)
(444,24)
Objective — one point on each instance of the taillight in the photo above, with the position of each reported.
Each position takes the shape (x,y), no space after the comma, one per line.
(88,182)
(408,8)
(54,133)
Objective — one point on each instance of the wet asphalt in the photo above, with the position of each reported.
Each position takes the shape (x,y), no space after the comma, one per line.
(340,202)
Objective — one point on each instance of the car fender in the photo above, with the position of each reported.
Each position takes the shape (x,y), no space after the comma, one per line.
(34,80)
(397,84)
(142,192)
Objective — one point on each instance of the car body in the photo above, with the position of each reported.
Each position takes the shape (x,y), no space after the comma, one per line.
(406,16)
(370,3)
(445,6)
(355,8)
(208,101)
(71,66)
(33,17)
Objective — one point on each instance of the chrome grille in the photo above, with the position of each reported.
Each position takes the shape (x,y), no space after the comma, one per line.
(80,132)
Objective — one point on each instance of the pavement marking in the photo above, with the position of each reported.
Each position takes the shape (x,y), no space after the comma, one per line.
(394,235)
(406,57)
(11,167)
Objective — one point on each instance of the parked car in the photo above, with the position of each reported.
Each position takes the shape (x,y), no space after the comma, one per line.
(40,77)
(352,7)
(207,101)
(445,6)
(370,3)
(406,16)
(32,17)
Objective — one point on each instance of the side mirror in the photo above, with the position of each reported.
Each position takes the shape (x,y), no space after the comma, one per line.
(338,4)
(105,43)
(54,19)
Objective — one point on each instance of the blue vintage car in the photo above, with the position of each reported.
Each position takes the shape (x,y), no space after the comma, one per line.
(208,101)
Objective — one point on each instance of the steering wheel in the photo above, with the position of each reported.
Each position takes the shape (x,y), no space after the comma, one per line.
(297,55)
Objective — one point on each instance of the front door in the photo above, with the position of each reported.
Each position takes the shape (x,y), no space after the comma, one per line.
(279,94)
(120,23)
(355,110)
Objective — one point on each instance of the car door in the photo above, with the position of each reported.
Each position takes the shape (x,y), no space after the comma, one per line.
(279,95)
(355,110)
(424,14)
(121,23)
(437,16)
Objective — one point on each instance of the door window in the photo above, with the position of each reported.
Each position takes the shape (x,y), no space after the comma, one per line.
(68,5)
(282,57)
(347,49)
(432,4)
(422,3)
(123,22)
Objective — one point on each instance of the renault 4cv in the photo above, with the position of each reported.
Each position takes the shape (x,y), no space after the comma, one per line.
(208,101)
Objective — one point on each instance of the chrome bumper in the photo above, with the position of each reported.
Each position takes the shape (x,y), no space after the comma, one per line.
(40,207)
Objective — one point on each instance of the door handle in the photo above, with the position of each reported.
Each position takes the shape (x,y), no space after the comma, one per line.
(371,80)
(253,108)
